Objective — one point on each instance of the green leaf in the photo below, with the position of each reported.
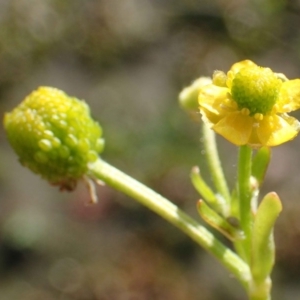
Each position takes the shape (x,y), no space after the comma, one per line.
(216,221)
(216,202)
(263,250)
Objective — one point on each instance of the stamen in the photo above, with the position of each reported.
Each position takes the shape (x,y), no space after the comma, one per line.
(258,117)
(219,78)
(230,102)
(271,122)
(245,111)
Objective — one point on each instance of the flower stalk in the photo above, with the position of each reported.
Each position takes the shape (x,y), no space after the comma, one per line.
(213,160)
(244,199)
(174,215)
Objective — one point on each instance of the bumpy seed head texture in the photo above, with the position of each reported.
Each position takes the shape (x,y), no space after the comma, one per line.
(256,89)
(54,136)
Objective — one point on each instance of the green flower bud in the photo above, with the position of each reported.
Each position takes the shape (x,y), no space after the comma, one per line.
(54,136)
(188,97)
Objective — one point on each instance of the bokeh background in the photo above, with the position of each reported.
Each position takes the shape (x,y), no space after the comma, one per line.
(129,59)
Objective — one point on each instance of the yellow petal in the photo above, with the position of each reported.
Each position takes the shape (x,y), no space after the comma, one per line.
(275,130)
(216,99)
(236,68)
(211,97)
(289,96)
(210,117)
(291,121)
(235,127)
(215,102)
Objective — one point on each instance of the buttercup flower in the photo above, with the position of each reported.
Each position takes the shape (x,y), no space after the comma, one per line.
(249,105)
(54,135)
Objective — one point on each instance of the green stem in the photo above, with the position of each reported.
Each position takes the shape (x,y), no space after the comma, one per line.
(244,198)
(214,163)
(166,209)
(261,291)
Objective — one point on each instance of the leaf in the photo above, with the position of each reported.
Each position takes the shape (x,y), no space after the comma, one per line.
(263,250)
(216,221)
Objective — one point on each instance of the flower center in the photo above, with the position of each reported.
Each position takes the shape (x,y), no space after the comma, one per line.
(255,89)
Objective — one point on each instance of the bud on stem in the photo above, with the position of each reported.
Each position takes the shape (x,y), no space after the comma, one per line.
(54,136)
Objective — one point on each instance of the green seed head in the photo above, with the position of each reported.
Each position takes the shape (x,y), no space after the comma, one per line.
(256,89)
(54,135)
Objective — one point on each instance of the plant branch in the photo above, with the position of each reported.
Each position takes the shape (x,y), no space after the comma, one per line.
(209,140)
(166,209)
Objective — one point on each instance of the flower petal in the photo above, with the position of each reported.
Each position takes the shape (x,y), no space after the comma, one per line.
(275,130)
(289,96)
(235,127)
(211,97)
(215,102)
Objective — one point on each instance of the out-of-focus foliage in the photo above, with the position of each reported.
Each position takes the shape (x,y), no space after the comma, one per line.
(129,60)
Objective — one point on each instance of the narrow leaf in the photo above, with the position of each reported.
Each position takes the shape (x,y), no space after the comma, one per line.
(218,222)
(217,203)
(263,251)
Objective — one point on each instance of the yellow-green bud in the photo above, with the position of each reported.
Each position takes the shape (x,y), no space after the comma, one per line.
(54,136)
(188,97)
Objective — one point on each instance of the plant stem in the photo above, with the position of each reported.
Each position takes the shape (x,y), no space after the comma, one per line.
(244,198)
(209,140)
(166,209)
(260,291)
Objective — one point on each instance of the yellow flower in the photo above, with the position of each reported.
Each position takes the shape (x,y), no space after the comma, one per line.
(249,105)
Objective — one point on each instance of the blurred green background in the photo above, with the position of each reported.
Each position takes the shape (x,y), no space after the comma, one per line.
(129,59)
